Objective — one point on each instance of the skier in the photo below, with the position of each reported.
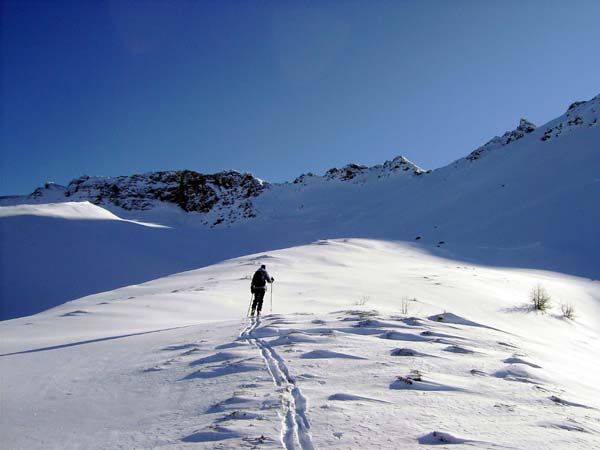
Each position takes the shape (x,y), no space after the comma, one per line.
(259,287)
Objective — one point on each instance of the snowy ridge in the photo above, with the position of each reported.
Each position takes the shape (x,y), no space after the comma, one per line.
(228,197)
(398,165)
(583,114)
(579,115)
(221,198)
(525,127)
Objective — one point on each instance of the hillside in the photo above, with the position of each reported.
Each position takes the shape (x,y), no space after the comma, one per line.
(401,314)
(525,199)
(371,344)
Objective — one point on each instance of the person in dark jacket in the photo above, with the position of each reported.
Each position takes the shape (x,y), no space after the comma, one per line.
(259,287)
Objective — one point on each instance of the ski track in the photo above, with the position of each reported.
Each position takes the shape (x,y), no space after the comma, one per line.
(295,424)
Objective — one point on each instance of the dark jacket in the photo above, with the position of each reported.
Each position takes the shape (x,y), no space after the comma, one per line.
(260,279)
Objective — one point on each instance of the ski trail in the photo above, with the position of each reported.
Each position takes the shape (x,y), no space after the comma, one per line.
(294,425)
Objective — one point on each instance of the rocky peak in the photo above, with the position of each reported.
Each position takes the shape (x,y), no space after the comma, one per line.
(400,164)
(524,127)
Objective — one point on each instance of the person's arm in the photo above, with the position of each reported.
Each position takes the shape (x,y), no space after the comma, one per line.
(270,279)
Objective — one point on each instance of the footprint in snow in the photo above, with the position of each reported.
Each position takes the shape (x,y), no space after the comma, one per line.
(441,438)
(514,360)
(412,321)
(294,338)
(375,323)
(217,357)
(153,369)
(213,434)
(308,376)
(353,398)
(231,345)
(249,386)
(232,403)
(190,352)
(408,352)
(505,407)
(398,336)
(567,425)
(560,401)
(241,415)
(518,374)
(458,349)
(78,312)
(457,320)
(227,369)
(282,322)
(415,381)
(506,344)
(321,354)
(441,335)
(262,332)
(172,348)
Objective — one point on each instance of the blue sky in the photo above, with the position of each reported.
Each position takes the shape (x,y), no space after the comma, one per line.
(278,88)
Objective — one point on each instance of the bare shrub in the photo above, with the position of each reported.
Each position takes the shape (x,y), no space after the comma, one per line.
(362,301)
(405,305)
(540,298)
(568,311)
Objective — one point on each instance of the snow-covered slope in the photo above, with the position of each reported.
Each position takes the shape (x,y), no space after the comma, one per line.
(405,323)
(371,344)
(526,200)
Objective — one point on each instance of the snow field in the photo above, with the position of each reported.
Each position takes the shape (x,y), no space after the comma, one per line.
(371,344)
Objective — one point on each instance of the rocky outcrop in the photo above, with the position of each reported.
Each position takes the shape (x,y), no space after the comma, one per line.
(359,173)
(190,190)
(579,114)
(222,198)
(346,173)
(525,127)
(400,164)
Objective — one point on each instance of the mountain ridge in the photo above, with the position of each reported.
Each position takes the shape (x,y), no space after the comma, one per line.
(229,195)
(531,203)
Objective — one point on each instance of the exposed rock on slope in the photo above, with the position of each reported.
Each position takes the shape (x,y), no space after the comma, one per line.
(358,172)
(191,191)
(525,127)
(579,114)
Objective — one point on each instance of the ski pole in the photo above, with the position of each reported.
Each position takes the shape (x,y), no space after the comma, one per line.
(250,305)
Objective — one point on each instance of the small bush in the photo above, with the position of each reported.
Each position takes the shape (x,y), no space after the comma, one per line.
(362,301)
(568,311)
(540,298)
(405,305)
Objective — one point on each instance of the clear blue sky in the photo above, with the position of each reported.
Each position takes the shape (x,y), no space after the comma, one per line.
(278,88)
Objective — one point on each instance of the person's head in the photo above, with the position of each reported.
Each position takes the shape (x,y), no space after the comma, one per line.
(263,267)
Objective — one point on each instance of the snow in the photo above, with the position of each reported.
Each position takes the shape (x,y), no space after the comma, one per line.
(67,210)
(171,364)
(401,314)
